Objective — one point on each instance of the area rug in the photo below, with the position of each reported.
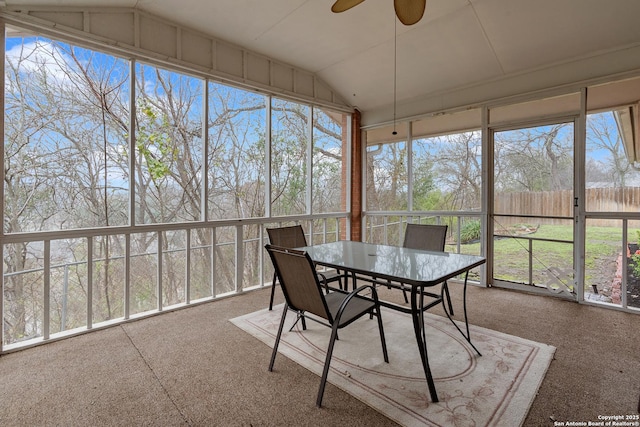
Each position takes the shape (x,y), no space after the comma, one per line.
(495,389)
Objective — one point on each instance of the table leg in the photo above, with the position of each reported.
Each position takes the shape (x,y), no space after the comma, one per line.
(417,315)
(466,336)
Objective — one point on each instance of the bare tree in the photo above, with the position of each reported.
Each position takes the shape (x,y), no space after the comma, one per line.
(67,166)
(602,135)
(535,159)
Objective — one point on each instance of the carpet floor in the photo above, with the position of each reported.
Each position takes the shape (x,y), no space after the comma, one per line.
(192,367)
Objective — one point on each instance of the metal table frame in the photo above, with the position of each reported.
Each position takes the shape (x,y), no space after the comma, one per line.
(415,268)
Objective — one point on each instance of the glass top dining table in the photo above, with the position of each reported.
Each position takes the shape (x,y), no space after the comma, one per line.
(415,268)
(410,266)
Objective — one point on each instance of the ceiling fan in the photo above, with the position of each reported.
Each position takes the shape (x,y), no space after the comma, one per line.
(408,11)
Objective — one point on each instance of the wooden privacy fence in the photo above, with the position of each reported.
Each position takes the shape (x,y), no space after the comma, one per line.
(560,204)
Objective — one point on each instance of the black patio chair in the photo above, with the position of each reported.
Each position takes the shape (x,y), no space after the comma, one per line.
(428,237)
(293,237)
(304,295)
(425,237)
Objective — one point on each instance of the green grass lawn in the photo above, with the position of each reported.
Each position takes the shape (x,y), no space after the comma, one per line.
(512,254)
(602,248)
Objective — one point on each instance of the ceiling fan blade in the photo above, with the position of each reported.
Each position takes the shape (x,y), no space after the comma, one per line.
(409,11)
(342,5)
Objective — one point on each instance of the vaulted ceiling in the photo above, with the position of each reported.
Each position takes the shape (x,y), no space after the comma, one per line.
(461,52)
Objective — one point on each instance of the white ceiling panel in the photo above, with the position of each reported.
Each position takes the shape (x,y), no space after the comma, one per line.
(527,34)
(326,39)
(429,60)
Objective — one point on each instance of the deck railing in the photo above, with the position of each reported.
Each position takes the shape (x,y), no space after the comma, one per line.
(388,228)
(71,284)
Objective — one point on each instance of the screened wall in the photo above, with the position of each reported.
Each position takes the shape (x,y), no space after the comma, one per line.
(131,187)
(544,186)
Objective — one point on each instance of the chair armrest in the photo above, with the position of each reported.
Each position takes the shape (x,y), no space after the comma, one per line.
(323,279)
(352,295)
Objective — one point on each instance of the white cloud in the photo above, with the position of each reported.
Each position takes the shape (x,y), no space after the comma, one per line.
(35,56)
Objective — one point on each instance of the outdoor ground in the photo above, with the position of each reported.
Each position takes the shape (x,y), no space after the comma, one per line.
(608,280)
(633,284)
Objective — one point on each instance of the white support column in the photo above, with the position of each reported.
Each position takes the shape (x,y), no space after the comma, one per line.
(579,230)
(409,167)
(309,161)
(132,143)
(159,270)
(239,258)
(324,230)
(187,269)
(204,168)
(46,315)
(213,262)
(90,281)
(486,242)
(261,256)
(127,276)
(132,179)
(267,157)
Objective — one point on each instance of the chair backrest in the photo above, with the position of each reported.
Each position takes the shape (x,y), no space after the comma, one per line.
(299,281)
(287,237)
(425,236)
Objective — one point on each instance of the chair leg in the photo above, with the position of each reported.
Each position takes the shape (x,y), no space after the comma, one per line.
(273,291)
(404,292)
(299,318)
(382,340)
(446,292)
(275,345)
(327,362)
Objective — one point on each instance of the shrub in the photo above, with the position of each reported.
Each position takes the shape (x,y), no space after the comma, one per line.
(470,231)
(635,263)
